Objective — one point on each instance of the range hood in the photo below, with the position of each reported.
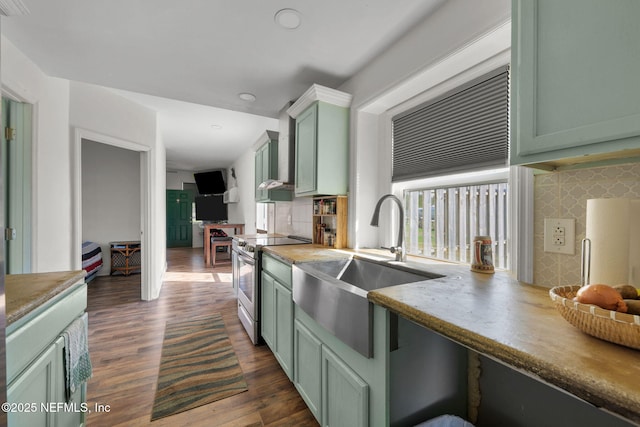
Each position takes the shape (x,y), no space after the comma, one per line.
(272,184)
(286,153)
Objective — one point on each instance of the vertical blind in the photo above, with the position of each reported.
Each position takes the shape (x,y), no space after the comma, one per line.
(462,130)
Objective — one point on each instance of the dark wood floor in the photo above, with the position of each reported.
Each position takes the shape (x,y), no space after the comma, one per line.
(125,341)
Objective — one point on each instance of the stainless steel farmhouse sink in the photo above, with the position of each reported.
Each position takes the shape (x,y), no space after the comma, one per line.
(334,294)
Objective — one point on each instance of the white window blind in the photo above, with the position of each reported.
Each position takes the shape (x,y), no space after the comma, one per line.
(463,130)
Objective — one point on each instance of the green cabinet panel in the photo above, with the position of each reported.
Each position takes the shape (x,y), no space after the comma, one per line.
(307,367)
(277,311)
(322,150)
(284,328)
(42,387)
(278,270)
(306,142)
(36,386)
(333,391)
(267,311)
(575,92)
(266,167)
(345,398)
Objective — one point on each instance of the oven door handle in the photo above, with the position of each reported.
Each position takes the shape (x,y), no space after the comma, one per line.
(247,259)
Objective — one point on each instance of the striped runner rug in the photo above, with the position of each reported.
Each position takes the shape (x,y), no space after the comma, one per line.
(198,366)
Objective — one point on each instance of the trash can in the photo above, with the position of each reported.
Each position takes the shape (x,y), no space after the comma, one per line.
(446,421)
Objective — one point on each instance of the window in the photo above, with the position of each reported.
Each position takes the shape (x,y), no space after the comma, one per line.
(465,129)
(442,222)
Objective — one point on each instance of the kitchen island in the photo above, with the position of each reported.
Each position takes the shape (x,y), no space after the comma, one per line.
(510,322)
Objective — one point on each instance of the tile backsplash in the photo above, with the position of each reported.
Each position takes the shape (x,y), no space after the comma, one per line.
(295,218)
(564,195)
(556,195)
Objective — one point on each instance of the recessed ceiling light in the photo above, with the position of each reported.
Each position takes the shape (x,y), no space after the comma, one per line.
(288,18)
(249,97)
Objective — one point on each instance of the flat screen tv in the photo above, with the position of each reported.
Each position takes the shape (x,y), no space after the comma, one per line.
(210,182)
(211,209)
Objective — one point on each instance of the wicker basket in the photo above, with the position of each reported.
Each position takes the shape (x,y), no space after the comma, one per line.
(619,328)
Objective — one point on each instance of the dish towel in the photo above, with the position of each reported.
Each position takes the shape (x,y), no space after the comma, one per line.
(76,355)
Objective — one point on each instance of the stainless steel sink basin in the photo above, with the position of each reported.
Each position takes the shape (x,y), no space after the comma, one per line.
(334,294)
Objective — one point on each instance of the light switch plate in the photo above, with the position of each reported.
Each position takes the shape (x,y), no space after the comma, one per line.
(560,235)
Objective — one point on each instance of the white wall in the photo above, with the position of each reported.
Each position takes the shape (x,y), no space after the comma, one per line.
(52,213)
(110,196)
(121,121)
(60,106)
(175,179)
(381,85)
(244,212)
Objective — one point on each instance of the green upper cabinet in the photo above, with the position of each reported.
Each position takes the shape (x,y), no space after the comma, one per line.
(267,168)
(575,84)
(322,142)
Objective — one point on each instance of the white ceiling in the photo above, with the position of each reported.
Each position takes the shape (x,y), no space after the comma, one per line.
(190,59)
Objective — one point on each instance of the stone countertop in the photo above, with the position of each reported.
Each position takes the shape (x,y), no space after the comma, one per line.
(26,292)
(307,252)
(508,321)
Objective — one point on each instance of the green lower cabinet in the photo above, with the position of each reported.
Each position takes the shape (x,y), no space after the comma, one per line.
(284,328)
(36,386)
(42,388)
(335,393)
(276,315)
(267,311)
(307,367)
(36,368)
(345,396)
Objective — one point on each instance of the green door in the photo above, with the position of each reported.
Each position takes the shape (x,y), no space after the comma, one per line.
(179,221)
(16,155)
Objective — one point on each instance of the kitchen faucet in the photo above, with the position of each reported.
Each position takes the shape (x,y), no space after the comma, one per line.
(398,250)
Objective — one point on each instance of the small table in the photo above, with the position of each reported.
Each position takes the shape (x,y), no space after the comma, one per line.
(125,257)
(237,229)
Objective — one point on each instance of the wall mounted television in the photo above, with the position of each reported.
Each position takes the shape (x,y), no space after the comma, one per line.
(211,209)
(210,182)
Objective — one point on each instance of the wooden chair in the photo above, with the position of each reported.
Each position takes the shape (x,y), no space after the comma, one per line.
(220,242)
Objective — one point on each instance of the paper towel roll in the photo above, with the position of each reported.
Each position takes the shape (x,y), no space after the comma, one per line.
(614,234)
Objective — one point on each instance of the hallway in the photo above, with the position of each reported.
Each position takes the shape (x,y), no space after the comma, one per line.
(125,341)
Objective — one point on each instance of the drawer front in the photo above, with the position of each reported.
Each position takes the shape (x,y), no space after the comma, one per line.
(278,269)
(29,340)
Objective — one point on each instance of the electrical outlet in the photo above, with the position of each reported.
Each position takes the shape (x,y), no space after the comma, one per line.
(559,235)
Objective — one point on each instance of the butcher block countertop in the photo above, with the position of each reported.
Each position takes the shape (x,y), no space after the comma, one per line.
(509,321)
(26,292)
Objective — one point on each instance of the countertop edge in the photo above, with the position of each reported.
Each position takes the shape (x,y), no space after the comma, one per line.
(567,379)
(58,282)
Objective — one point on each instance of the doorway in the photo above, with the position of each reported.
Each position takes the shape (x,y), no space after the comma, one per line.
(147,292)
(16,166)
(110,198)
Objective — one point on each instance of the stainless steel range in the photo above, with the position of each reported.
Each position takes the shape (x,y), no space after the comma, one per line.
(247,264)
